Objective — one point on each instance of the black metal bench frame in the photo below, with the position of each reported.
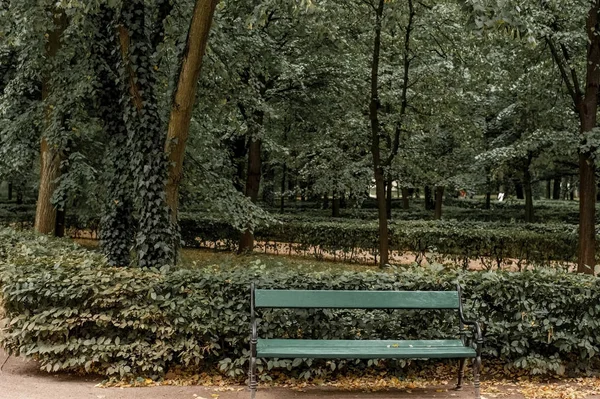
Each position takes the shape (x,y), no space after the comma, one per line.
(475,341)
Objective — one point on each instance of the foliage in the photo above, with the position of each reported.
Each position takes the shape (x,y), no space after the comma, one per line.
(494,244)
(68,309)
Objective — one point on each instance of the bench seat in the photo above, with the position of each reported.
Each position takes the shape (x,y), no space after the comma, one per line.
(363,349)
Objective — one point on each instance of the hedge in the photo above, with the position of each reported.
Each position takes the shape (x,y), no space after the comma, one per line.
(495,244)
(65,308)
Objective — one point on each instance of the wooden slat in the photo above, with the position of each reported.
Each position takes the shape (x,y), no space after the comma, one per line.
(356,349)
(356,299)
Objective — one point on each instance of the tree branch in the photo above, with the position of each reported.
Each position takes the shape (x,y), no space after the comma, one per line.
(405,84)
(563,72)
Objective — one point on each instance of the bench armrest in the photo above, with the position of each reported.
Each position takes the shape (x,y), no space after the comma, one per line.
(253,322)
(477,332)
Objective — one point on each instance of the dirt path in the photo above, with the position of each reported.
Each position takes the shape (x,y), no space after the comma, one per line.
(21,379)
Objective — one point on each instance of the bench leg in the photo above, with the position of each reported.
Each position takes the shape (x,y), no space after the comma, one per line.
(476,372)
(461,373)
(252,382)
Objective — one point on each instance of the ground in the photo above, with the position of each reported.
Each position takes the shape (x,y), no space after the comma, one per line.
(20,379)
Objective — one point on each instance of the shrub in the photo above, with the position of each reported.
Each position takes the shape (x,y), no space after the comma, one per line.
(495,244)
(70,311)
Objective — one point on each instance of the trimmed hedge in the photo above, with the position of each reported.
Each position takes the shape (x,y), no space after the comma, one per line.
(67,309)
(495,244)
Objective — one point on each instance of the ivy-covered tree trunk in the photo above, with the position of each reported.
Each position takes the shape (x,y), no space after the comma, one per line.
(155,239)
(117,227)
(50,157)
(185,98)
(252,187)
(439,200)
(375,141)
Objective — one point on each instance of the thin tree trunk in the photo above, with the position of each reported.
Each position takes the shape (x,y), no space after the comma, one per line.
(10,191)
(388,199)
(375,141)
(335,209)
(268,191)
(20,194)
(556,189)
(282,199)
(439,199)
(405,201)
(185,98)
(252,188)
(488,200)
(549,189)
(59,229)
(326,201)
(50,159)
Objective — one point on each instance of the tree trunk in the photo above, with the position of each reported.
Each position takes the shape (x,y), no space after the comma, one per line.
(429,205)
(335,209)
(519,190)
(549,189)
(375,141)
(20,194)
(45,214)
(184,98)
(50,160)
(268,191)
(528,199)
(59,229)
(325,201)
(10,191)
(405,202)
(439,199)
(556,189)
(156,240)
(252,188)
(282,199)
(388,199)
(588,108)
(571,189)
(488,200)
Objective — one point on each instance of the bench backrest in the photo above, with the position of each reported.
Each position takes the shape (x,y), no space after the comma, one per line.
(356,299)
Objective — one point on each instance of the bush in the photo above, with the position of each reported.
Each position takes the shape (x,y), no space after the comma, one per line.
(495,244)
(70,311)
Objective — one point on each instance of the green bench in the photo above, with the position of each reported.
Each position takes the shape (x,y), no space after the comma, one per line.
(467,347)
